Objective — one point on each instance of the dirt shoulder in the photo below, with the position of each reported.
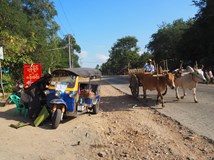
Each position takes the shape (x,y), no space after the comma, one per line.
(124,129)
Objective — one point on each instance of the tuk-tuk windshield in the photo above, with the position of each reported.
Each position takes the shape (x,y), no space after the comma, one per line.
(65,79)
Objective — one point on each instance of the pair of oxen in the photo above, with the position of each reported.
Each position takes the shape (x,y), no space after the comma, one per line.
(184,79)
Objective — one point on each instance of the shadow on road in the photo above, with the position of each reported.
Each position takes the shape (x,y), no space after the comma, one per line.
(120,103)
(127,102)
(8,113)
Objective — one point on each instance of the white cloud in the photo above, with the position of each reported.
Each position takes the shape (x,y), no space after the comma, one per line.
(102,58)
(90,60)
(83,54)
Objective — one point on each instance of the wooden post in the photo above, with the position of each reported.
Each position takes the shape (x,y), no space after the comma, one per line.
(154,64)
(2,87)
(157,72)
(167,65)
(181,65)
(196,64)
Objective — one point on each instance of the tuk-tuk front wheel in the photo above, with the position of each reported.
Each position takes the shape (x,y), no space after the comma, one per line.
(56,118)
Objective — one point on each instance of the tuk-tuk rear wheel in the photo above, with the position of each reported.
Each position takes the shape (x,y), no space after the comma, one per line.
(56,118)
(95,108)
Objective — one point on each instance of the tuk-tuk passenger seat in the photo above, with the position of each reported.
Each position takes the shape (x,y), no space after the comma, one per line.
(94,88)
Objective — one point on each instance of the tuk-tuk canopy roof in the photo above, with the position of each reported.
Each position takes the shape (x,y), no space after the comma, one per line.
(82,72)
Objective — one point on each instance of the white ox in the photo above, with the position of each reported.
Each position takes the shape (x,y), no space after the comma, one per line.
(189,79)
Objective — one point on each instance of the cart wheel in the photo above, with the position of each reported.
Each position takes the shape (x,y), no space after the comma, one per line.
(134,85)
(56,118)
(95,108)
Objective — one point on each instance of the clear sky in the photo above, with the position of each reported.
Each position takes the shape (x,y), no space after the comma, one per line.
(98,24)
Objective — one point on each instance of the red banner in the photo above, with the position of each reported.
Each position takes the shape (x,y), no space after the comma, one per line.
(32,72)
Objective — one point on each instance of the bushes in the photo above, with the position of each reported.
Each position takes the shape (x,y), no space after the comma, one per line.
(10,83)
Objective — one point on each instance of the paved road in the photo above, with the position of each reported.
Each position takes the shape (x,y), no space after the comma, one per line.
(198,117)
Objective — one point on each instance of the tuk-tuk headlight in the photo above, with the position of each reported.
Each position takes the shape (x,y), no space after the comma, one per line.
(46,92)
(57,94)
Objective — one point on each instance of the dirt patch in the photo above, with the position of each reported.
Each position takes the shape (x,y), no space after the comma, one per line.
(124,129)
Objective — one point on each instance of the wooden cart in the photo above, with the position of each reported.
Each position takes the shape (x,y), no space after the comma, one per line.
(137,74)
(134,80)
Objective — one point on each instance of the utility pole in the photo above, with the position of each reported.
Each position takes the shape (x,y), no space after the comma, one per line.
(69,49)
(72,60)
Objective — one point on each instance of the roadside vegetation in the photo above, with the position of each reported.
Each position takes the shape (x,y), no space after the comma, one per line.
(188,42)
(28,34)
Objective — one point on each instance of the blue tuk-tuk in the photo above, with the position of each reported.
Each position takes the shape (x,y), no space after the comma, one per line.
(73,90)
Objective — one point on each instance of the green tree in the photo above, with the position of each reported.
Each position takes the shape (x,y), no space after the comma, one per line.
(41,26)
(123,53)
(26,29)
(143,59)
(197,41)
(28,34)
(57,55)
(97,66)
(74,48)
(106,68)
(164,43)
